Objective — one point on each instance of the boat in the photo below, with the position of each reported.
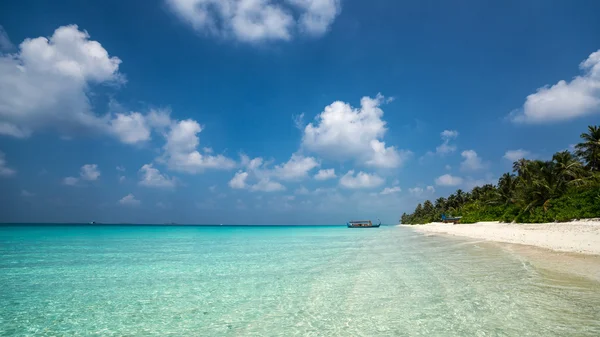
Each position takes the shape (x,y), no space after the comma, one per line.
(362,224)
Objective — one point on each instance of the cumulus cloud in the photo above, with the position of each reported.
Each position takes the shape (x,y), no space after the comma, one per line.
(443,149)
(564,100)
(448,180)
(296,168)
(130,128)
(257,20)
(151,177)
(325,174)
(266,185)
(89,172)
(181,154)
(391,190)
(46,82)
(70,181)
(446,147)
(421,192)
(129,200)
(4,170)
(360,180)
(471,162)
(514,155)
(342,132)
(239,180)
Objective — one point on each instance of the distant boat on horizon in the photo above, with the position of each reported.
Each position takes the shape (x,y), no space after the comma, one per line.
(362,224)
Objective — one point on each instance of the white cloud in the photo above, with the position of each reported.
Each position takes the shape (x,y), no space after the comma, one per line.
(471,162)
(317,15)
(129,200)
(130,128)
(251,164)
(266,185)
(8,129)
(514,155)
(325,174)
(564,100)
(151,177)
(296,168)
(122,179)
(4,170)
(120,168)
(361,180)
(181,152)
(446,147)
(89,172)
(420,192)
(71,181)
(448,180)
(46,82)
(391,190)
(5,43)
(257,20)
(448,167)
(342,132)
(27,194)
(239,180)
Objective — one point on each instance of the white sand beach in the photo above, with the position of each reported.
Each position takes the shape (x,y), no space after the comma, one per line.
(575,237)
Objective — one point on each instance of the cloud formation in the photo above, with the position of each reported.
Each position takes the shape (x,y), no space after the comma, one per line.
(181,153)
(129,200)
(391,190)
(471,162)
(342,132)
(4,170)
(514,155)
(151,177)
(448,180)
(46,83)
(87,172)
(325,174)
(360,180)
(254,21)
(564,100)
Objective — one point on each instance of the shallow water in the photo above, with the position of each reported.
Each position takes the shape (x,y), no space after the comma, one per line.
(279,281)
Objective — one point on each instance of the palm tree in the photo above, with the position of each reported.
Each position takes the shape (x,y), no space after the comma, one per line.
(506,188)
(460,197)
(440,204)
(568,170)
(589,149)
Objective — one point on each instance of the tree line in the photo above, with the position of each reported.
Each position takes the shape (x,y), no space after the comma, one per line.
(564,188)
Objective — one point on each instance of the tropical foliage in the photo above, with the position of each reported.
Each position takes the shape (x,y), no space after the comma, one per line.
(561,189)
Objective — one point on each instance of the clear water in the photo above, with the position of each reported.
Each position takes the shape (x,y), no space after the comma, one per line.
(278,281)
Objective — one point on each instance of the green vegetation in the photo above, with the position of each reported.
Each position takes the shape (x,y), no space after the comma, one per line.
(562,189)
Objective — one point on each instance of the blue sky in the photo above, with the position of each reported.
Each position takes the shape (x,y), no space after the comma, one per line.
(281,112)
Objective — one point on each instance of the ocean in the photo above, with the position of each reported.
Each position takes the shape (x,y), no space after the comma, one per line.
(278,281)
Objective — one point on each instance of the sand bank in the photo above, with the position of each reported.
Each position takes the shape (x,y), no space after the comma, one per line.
(575,237)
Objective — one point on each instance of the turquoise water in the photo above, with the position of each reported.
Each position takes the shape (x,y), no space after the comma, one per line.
(278,281)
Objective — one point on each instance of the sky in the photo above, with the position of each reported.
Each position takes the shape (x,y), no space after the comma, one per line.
(281,111)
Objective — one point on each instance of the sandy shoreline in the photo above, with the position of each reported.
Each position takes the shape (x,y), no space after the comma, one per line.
(581,237)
